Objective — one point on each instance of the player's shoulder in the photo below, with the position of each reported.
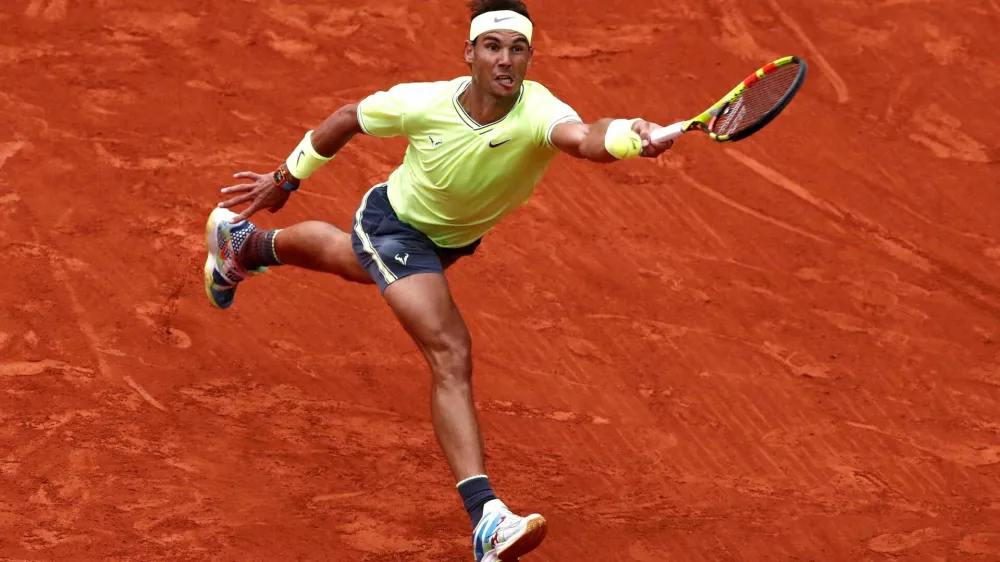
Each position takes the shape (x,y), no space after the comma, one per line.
(535,92)
(532,87)
(429,90)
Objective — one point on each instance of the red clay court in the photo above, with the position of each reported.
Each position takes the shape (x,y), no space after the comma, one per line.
(782,349)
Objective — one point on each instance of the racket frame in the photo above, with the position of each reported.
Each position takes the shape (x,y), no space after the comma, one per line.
(704,121)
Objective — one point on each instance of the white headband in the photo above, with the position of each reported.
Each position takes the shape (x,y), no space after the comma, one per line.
(502,19)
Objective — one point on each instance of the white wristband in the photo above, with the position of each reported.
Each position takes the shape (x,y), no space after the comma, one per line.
(304,160)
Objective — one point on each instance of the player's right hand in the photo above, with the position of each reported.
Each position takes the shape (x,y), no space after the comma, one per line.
(262,193)
(650,149)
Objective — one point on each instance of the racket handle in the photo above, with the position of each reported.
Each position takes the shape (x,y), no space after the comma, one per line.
(668,132)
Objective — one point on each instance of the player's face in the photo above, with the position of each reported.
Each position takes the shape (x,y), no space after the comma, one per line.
(499,62)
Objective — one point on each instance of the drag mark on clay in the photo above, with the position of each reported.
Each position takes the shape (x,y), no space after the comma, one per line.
(902,250)
(698,218)
(783,182)
(941,225)
(808,367)
(756,214)
(965,454)
(32,368)
(87,329)
(9,149)
(336,497)
(890,543)
(941,132)
(508,408)
(142,392)
(735,32)
(59,272)
(838,83)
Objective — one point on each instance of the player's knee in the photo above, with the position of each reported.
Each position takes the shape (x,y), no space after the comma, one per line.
(451,358)
(332,249)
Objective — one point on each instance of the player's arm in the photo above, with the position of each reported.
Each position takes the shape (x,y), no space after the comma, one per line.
(607,140)
(382,114)
(338,129)
(317,147)
(320,145)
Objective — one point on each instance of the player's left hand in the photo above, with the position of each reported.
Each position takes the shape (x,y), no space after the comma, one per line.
(649,148)
(262,193)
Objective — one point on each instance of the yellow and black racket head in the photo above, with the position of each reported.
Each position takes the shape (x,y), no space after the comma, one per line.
(754,102)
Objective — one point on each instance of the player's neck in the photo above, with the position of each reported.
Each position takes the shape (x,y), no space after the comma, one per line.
(485,107)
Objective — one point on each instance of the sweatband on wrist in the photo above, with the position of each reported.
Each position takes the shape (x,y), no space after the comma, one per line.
(304,160)
(620,141)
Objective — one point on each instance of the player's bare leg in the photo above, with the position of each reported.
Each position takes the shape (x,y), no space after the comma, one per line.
(319,246)
(236,250)
(424,307)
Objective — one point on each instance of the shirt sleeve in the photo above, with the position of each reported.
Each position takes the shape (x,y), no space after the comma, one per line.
(547,111)
(383,114)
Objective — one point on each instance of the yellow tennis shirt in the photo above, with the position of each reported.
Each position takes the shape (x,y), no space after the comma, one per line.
(459,178)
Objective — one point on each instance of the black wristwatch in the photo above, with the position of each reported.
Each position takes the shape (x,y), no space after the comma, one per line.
(284,179)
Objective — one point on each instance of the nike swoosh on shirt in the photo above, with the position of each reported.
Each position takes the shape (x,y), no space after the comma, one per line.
(499,143)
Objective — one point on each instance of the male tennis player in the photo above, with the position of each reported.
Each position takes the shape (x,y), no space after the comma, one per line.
(478,145)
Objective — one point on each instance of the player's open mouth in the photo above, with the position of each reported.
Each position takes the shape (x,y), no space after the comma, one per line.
(505,80)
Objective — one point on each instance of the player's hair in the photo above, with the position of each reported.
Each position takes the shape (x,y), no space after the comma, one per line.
(479,7)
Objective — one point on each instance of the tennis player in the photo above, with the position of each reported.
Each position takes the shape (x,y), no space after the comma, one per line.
(478,146)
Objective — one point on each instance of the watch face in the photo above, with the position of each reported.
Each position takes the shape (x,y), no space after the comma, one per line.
(282,180)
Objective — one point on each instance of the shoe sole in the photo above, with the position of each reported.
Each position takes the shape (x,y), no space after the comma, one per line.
(534,533)
(212,242)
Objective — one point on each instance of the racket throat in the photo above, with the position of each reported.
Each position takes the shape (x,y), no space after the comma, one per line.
(707,122)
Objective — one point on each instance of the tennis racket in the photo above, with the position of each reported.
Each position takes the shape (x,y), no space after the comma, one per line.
(745,110)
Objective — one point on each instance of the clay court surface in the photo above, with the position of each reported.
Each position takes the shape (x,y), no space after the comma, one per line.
(782,349)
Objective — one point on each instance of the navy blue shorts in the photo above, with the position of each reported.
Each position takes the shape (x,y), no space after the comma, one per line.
(389,249)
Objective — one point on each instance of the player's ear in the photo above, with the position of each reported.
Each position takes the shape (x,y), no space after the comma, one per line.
(470,49)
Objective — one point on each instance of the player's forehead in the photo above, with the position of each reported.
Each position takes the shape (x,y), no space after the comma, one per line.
(504,37)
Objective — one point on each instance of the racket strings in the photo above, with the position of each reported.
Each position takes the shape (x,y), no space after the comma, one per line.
(756,101)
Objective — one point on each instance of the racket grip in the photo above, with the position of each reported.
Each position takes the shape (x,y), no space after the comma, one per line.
(668,132)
